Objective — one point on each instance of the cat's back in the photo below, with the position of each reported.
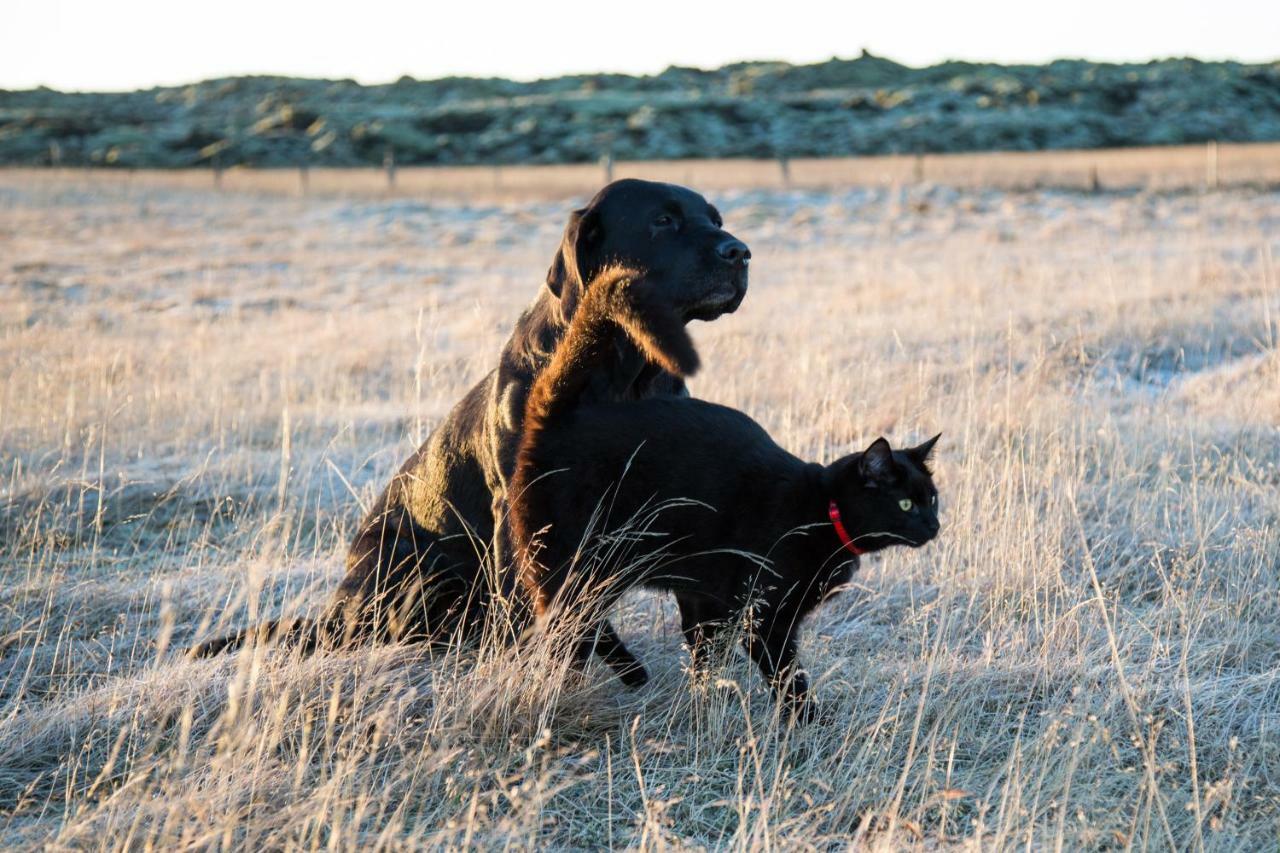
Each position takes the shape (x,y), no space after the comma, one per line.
(672,431)
(685,416)
(716,463)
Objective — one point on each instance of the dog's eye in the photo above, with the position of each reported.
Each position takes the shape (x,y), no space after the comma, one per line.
(666,220)
(906,504)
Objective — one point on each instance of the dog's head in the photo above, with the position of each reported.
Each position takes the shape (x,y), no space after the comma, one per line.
(670,232)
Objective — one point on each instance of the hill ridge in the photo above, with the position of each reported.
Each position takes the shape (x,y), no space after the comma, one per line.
(839,107)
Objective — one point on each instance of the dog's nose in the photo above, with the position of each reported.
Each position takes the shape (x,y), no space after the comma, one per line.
(734,251)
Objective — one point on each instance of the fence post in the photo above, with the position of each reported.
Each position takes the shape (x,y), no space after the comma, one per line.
(217,174)
(606,163)
(1211,165)
(917,169)
(1095,185)
(389,163)
(784,169)
(304,179)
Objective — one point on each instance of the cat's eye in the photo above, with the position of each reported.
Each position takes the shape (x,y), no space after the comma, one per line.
(906,504)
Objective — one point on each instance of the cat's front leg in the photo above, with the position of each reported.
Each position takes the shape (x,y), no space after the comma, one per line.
(700,623)
(618,657)
(775,654)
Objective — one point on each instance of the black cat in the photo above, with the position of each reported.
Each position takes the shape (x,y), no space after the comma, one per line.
(731,520)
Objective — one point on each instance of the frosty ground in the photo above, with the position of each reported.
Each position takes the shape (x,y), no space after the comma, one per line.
(201,391)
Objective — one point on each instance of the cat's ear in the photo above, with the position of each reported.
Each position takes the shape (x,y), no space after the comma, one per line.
(876,462)
(922,452)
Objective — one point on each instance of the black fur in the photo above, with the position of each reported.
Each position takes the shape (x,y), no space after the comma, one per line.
(414,568)
(736,493)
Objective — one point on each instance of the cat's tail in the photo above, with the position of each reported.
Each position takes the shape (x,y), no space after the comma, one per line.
(618,301)
(302,634)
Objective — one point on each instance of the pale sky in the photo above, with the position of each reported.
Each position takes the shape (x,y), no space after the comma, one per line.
(103,45)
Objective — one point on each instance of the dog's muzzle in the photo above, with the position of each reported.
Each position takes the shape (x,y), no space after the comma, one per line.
(723,300)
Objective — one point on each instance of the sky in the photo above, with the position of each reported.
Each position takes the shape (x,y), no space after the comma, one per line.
(97,45)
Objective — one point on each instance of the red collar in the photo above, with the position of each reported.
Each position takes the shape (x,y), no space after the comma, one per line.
(845,540)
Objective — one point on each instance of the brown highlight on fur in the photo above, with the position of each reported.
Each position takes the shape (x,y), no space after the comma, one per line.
(618,300)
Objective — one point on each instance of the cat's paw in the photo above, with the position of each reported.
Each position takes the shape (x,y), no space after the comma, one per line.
(634,676)
(807,711)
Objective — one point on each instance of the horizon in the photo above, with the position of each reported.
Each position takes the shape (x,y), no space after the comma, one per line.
(75,46)
(639,74)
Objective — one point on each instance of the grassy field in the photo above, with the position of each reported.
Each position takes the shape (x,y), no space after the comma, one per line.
(202,389)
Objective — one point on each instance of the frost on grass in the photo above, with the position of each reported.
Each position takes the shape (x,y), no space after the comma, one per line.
(201,392)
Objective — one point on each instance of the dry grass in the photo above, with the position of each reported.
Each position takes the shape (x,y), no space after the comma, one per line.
(201,389)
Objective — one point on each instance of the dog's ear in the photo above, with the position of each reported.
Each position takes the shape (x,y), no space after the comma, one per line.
(564,278)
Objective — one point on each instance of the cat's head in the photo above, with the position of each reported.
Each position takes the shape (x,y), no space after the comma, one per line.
(886,496)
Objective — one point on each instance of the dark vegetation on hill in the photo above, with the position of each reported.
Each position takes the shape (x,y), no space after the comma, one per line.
(867,105)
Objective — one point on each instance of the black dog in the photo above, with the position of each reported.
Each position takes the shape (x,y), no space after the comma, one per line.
(417,569)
